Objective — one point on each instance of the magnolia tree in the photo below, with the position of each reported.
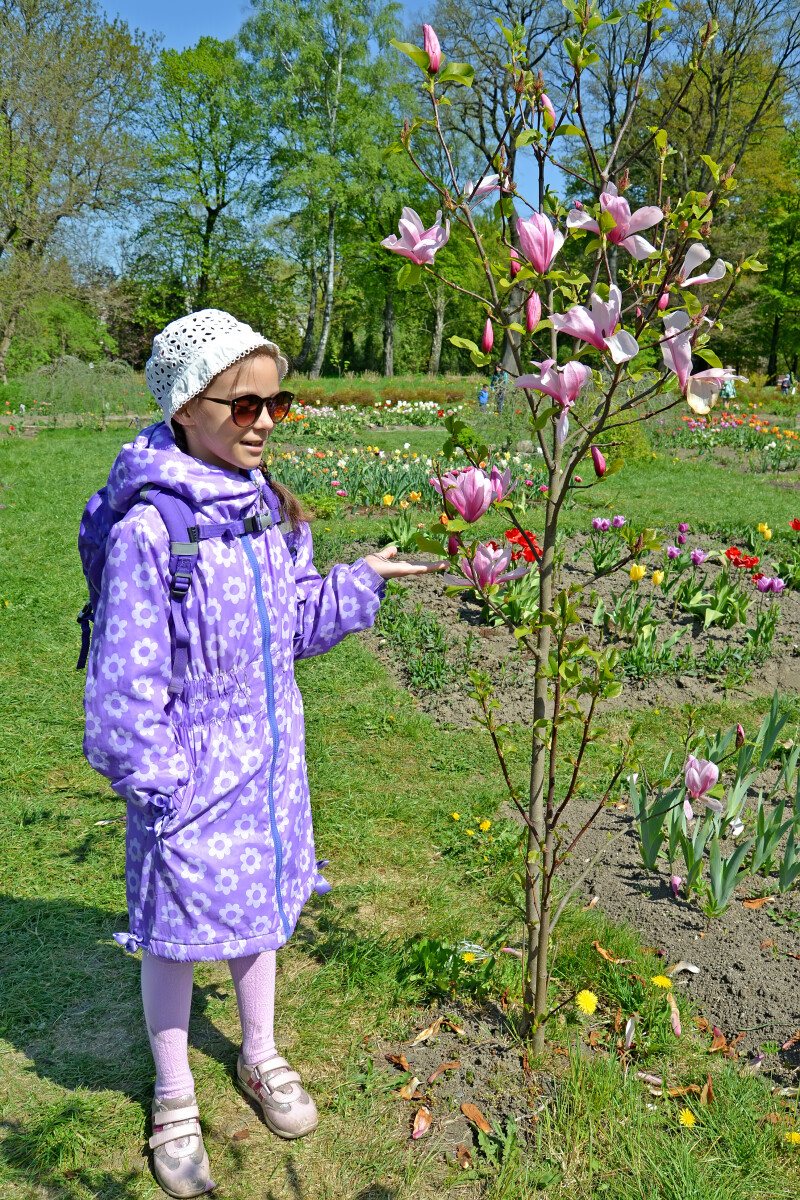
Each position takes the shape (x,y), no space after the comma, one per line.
(592,296)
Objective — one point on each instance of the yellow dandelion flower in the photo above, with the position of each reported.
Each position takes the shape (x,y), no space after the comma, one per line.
(793,1138)
(661,981)
(388,499)
(470,832)
(468,956)
(687,1118)
(485,825)
(586,1002)
(456,816)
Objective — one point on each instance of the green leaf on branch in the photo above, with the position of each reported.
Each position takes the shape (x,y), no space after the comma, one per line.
(409,274)
(544,417)
(461,73)
(420,57)
(752,264)
(615,465)
(569,130)
(456,525)
(712,166)
(463,343)
(429,545)
(573,50)
(708,356)
(479,359)
(527,137)
(606,222)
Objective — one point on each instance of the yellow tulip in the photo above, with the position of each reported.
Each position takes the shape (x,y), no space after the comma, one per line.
(637,572)
(415,497)
(658,578)
(388,499)
(404,504)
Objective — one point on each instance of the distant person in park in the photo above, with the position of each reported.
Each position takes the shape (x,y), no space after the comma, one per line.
(483,396)
(499,386)
(194,715)
(728,389)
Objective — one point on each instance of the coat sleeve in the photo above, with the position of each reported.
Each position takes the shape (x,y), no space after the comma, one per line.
(345,601)
(129,736)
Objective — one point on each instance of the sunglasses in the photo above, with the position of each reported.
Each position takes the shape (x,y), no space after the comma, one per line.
(245,410)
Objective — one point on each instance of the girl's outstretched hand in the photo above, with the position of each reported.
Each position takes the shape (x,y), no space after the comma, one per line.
(381,563)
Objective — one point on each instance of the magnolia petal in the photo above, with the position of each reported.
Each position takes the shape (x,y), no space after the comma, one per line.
(558,242)
(644,218)
(579,218)
(715,805)
(716,273)
(675,1015)
(638,246)
(688,811)
(701,397)
(578,322)
(695,255)
(562,428)
(413,218)
(622,346)
(630,1029)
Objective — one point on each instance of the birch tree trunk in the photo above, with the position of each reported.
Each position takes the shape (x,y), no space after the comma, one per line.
(330,264)
(388,333)
(439,302)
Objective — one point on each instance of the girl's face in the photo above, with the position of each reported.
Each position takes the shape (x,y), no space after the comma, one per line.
(210,432)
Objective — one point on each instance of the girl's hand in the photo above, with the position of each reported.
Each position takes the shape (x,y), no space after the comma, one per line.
(395,570)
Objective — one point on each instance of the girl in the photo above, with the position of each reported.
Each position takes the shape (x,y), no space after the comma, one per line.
(219,847)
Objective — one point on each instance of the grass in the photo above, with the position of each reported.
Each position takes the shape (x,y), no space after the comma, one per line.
(76,1074)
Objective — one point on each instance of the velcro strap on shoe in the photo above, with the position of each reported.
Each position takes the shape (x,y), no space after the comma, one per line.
(280,1078)
(174,1131)
(171,1115)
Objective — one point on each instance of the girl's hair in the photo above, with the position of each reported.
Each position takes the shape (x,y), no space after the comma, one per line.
(291,505)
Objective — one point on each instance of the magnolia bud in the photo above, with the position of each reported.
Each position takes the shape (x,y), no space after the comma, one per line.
(515,263)
(487,341)
(663,302)
(624,180)
(533,312)
(452,545)
(599,462)
(432,48)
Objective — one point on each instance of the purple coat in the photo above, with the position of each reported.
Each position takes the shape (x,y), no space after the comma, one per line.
(220,847)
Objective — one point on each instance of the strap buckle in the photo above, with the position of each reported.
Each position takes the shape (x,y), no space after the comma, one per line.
(256,523)
(180,584)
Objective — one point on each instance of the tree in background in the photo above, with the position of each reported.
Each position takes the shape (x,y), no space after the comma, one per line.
(70,88)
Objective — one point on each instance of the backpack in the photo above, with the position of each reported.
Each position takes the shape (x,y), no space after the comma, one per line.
(185,534)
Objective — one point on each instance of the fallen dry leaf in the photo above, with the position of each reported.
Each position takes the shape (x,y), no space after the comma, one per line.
(759,903)
(618,1020)
(608,956)
(463,1156)
(655,1080)
(560,1050)
(718,1043)
(702,1024)
(407,1091)
(455,1028)
(475,1115)
(621,804)
(683,965)
(398,1060)
(422,1122)
(430,1032)
(674,1014)
(691,1089)
(448,1066)
(707,1094)
(594,1038)
(779,1119)
(240,1135)
(792,1041)
(768,944)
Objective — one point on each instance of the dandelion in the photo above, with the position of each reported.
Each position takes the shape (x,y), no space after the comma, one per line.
(388,499)
(470,832)
(468,956)
(662,981)
(485,825)
(793,1138)
(456,816)
(586,1002)
(687,1118)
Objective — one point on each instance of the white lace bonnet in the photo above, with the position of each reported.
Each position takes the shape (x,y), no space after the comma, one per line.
(189,352)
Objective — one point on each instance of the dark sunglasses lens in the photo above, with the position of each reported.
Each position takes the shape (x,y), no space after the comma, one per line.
(279,405)
(246,411)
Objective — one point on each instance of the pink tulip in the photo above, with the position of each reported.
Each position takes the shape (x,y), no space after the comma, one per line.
(487,341)
(488,566)
(627,230)
(564,384)
(598,326)
(515,264)
(430,44)
(701,775)
(539,241)
(469,491)
(740,735)
(489,184)
(533,312)
(599,462)
(501,483)
(675,883)
(548,112)
(415,241)
(696,255)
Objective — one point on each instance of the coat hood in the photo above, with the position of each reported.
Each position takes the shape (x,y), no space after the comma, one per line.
(154,458)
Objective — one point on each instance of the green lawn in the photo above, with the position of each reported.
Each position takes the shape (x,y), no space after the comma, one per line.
(76,1075)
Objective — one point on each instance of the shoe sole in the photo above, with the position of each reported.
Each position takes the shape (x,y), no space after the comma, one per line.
(281,1133)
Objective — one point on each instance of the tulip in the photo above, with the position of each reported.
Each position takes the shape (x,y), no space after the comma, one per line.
(598,326)
(548,112)
(488,566)
(658,578)
(701,776)
(675,883)
(388,499)
(694,256)
(564,384)
(501,483)
(487,341)
(431,46)
(601,524)
(740,736)
(533,314)
(627,230)
(795,524)
(539,241)
(764,584)
(637,572)
(663,302)
(698,557)
(599,462)
(673,552)
(416,242)
(618,521)
(683,527)
(681,539)
(489,184)
(469,491)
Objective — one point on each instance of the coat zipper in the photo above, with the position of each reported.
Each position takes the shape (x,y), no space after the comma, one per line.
(266,640)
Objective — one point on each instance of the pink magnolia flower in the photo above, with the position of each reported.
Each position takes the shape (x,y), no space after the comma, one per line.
(488,566)
(704,387)
(533,312)
(415,241)
(700,775)
(598,462)
(489,184)
(548,112)
(430,44)
(598,326)
(487,341)
(501,483)
(469,491)
(696,255)
(564,384)
(539,241)
(627,230)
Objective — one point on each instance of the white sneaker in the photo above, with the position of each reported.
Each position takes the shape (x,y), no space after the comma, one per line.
(288,1109)
(180,1162)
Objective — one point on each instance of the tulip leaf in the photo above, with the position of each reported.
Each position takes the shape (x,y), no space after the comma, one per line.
(544,417)
(615,465)
(527,137)
(571,130)
(409,274)
(461,73)
(420,57)
(429,545)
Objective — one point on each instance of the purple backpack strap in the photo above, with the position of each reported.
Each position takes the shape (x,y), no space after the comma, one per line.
(184,539)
